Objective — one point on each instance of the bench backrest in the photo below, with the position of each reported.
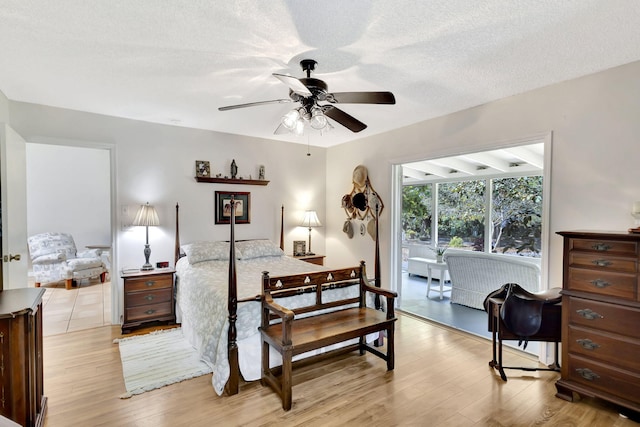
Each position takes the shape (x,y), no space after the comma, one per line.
(317,283)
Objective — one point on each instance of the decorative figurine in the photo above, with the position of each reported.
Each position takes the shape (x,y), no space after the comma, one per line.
(234,169)
(261,172)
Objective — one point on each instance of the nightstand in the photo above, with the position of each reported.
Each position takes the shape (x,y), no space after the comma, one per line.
(313,259)
(148,297)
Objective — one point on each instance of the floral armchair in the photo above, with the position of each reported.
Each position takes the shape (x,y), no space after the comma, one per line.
(54,258)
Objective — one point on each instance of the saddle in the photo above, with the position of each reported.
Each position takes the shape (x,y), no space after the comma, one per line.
(521,310)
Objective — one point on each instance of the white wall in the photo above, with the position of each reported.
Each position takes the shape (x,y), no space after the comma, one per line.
(68,190)
(595,176)
(156,163)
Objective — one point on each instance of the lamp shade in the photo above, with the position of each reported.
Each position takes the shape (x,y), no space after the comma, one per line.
(146,216)
(310,219)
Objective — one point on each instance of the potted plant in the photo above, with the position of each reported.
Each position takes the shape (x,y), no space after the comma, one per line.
(439,250)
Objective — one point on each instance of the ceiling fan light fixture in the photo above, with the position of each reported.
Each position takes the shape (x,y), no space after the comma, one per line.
(299,128)
(318,120)
(290,120)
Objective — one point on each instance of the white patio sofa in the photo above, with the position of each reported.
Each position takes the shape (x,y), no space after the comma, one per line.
(417,261)
(476,274)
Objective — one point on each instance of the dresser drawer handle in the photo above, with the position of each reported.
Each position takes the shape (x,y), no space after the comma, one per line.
(601,247)
(587,344)
(589,314)
(149,297)
(150,283)
(599,283)
(602,262)
(149,311)
(587,374)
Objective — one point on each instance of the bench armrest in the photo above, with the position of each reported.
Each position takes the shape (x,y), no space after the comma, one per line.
(382,292)
(389,295)
(283,312)
(286,315)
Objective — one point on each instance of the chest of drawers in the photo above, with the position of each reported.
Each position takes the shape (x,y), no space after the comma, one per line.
(148,297)
(601,317)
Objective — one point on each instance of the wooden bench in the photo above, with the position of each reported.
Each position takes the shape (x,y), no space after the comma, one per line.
(291,334)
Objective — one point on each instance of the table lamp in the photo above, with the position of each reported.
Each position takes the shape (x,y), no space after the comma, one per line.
(310,220)
(146,216)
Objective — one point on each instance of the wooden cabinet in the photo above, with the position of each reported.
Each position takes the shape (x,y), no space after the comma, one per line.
(601,317)
(313,259)
(21,368)
(148,297)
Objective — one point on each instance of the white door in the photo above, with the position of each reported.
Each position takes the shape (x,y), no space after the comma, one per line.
(13,167)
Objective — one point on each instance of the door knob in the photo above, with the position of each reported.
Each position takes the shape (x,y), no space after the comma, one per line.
(9,258)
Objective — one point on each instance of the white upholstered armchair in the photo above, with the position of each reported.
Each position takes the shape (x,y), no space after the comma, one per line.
(54,258)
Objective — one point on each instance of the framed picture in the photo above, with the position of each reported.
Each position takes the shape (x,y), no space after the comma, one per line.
(203,168)
(223,207)
(299,247)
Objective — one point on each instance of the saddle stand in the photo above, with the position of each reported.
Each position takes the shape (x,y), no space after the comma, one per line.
(533,317)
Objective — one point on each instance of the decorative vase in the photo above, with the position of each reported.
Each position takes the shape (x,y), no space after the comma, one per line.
(438,258)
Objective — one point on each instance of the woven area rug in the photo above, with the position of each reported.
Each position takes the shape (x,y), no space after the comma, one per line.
(158,359)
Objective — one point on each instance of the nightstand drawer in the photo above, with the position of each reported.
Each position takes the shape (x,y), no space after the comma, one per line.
(151,311)
(156,281)
(134,299)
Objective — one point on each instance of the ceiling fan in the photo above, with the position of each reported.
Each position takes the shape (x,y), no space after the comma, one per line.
(309,92)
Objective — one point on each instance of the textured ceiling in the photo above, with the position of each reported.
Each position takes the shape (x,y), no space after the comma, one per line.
(176,62)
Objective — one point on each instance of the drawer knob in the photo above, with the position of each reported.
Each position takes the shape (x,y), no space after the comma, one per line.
(589,314)
(150,282)
(587,344)
(150,311)
(601,247)
(602,262)
(599,283)
(587,374)
(149,297)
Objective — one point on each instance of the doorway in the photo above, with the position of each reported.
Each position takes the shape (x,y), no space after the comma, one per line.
(69,189)
(433,231)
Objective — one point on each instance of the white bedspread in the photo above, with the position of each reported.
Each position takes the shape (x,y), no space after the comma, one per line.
(202,306)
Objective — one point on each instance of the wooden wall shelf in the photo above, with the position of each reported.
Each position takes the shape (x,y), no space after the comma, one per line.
(232,181)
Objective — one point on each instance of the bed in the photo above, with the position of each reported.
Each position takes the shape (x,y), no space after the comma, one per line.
(218,300)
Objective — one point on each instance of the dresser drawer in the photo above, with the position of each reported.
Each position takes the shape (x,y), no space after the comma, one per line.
(150,311)
(159,281)
(620,350)
(157,296)
(602,262)
(610,247)
(604,316)
(618,382)
(620,285)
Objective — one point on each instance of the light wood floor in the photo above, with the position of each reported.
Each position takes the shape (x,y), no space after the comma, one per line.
(441,379)
(82,307)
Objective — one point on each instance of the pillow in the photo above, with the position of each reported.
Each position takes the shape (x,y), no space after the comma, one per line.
(258,248)
(207,251)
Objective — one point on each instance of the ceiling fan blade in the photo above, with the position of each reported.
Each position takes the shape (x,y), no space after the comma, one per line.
(294,84)
(343,118)
(362,97)
(253,104)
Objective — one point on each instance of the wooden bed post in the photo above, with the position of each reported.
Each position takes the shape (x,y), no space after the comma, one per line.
(376,265)
(282,227)
(234,368)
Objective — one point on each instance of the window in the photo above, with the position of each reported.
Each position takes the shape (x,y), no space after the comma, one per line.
(514,226)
